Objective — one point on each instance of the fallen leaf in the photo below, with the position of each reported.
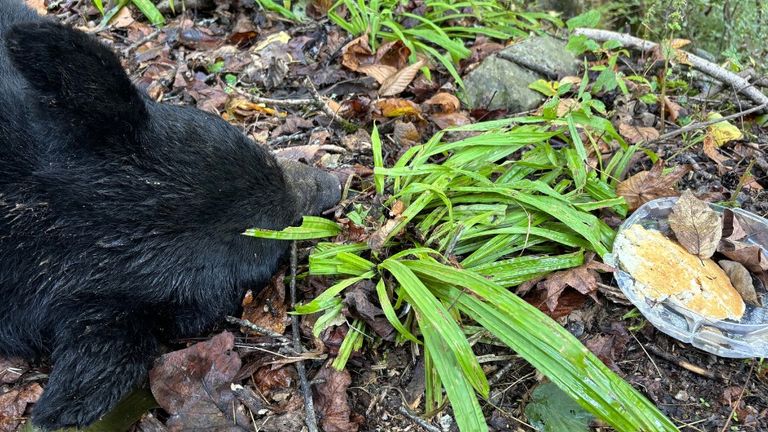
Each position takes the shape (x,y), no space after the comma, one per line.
(638,134)
(448,120)
(722,132)
(732,226)
(583,279)
(398,82)
(39,6)
(406,134)
(672,109)
(358,304)
(358,141)
(647,186)
(14,402)
(607,347)
(696,226)
(381,73)
(357,51)
(244,30)
(244,108)
(267,309)
(566,106)
(331,401)
(193,386)
(274,379)
(741,280)
(379,237)
(123,19)
(551,409)
(396,107)
(447,102)
(710,149)
(750,255)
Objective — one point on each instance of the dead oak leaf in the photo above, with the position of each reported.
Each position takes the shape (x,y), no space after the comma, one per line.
(331,401)
(649,185)
(697,227)
(193,386)
(397,107)
(446,102)
(583,279)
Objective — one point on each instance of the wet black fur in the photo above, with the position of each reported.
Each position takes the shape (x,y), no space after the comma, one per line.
(120,218)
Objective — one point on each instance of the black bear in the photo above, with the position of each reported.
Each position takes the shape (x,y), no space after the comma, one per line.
(120,217)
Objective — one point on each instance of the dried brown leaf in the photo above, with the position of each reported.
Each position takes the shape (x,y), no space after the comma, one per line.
(673,109)
(381,73)
(331,400)
(193,386)
(14,402)
(583,279)
(398,82)
(741,280)
(750,255)
(697,227)
(638,134)
(396,107)
(447,102)
(649,185)
(710,149)
(267,309)
(356,53)
(11,369)
(448,120)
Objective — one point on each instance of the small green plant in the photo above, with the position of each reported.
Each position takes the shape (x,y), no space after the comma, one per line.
(435,31)
(145,6)
(500,208)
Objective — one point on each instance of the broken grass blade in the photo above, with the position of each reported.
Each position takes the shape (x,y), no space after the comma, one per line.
(312,227)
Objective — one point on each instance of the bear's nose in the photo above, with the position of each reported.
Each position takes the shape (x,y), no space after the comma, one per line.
(315,189)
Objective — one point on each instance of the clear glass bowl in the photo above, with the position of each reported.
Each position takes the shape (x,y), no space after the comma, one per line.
(725,338)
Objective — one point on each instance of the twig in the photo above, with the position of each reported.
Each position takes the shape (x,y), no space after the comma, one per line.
(702,125)
(255,327)
(326,109)
(270,101)
(738,400)
(698,63)
(134,46)
(306,391)
(418,420)
(683,363)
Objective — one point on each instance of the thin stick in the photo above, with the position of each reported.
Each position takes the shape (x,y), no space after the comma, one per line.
(698,63)
(255,327)
(702,125)
(418,420)
(326,109)
(738,401)
(306,391)
(134,46)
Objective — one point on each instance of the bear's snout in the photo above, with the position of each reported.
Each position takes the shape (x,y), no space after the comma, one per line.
(315,189)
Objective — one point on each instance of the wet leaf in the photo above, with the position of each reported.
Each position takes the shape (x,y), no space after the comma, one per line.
(274,379)
(741,280)
(193,385)
(608,347)
(244,30)
(697,227)
(649,185)
(551,410)
(357,300)
(583,279)
(331,401)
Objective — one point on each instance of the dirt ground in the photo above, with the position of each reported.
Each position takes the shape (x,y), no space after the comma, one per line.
(196,54)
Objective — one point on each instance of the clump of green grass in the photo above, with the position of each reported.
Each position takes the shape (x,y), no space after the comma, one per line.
(441,28)
(507,205)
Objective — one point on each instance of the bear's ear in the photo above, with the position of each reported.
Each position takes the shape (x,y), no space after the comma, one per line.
(79,78)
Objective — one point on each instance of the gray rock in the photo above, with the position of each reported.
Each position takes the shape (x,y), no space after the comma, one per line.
(544,55)
(501,84)
(501,81)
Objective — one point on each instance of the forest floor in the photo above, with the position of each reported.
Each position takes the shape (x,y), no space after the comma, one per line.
(211,58)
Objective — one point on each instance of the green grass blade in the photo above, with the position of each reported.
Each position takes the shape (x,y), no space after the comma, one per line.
(378,161)
(150,11)
(312,227)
